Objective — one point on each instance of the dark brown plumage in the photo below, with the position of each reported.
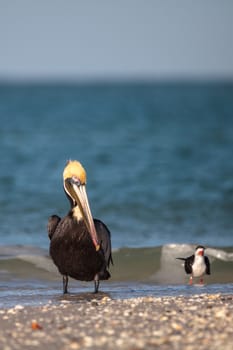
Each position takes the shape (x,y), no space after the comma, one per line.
(79,246)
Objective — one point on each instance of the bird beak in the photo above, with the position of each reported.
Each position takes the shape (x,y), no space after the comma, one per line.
(201,252)
(78,193)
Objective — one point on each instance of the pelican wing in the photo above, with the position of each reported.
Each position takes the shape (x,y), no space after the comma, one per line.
(104,237)
(52,224)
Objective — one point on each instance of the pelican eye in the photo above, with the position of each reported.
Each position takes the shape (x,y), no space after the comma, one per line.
(76,181)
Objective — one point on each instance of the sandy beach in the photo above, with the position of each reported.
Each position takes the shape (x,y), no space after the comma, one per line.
(88,321)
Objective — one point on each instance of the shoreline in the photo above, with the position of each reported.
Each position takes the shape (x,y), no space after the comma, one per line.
(89,321)
(39,293)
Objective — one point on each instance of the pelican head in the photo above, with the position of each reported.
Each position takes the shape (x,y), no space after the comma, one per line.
(74,182)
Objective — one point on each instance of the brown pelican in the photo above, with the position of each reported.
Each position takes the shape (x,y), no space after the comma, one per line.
(197,264)
(80,247)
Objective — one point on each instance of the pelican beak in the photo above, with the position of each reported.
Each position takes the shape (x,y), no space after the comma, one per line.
(79,195)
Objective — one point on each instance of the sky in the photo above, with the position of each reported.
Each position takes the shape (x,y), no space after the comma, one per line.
(120,39)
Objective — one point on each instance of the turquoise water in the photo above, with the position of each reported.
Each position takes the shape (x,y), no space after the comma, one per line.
(158,158)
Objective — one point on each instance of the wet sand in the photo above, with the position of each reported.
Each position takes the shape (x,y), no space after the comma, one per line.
(89,321)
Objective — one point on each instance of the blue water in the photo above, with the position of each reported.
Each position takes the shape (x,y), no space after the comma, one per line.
(158,159)
(159,163)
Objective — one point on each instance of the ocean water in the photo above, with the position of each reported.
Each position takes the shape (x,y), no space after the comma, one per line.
(158,158)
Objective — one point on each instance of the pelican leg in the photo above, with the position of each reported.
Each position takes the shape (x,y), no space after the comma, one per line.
(191,280)
(97,283)
(201,281)
(65,284)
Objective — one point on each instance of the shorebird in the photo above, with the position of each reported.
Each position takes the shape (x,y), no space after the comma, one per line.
(197,264)
(80,246)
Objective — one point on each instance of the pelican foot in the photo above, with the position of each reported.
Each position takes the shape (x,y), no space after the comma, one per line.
(97,283)
(65,284)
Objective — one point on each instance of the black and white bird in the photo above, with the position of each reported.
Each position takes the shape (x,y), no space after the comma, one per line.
(197,265)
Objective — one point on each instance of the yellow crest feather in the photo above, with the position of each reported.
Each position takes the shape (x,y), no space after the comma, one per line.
(75,169)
